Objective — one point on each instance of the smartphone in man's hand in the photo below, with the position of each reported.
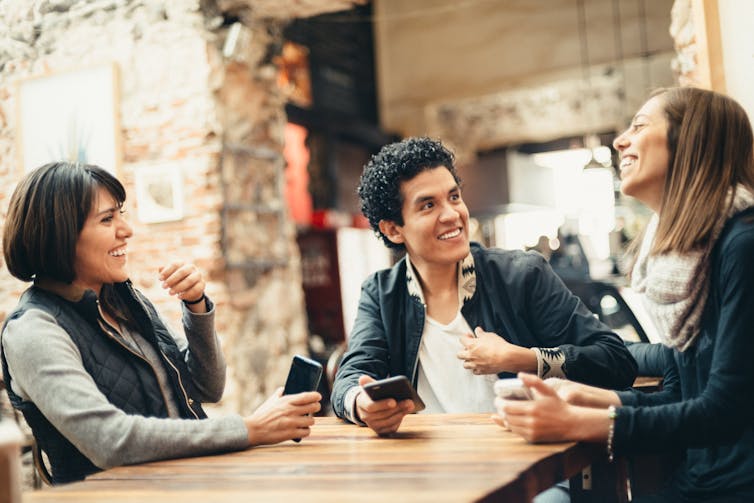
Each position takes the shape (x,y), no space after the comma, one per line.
(397,387)
(304,375)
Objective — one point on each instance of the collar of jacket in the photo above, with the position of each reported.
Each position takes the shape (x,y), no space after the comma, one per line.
(73,293)
(466,280)
(68,291)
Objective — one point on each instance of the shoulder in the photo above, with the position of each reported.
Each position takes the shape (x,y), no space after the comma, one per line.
(739,229)
(387,280)
(736,243)
(33,329)
(513,263)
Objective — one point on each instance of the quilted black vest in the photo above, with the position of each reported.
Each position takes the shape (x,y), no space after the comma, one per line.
(125,378)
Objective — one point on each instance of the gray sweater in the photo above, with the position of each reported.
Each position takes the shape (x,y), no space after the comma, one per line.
(47,369)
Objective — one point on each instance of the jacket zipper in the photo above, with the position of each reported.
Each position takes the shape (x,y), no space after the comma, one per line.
(186,398)
(180,383)
(110,331)
(418,348)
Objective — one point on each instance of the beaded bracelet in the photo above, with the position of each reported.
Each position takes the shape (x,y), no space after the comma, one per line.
(194,302)
(612,413)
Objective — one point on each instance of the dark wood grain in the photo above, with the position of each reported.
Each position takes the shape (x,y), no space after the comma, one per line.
(432,458)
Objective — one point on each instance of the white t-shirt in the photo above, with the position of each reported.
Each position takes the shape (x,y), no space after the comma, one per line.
(443,384)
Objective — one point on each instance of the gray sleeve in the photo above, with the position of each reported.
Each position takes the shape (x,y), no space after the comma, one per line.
(46,369)
(203,353)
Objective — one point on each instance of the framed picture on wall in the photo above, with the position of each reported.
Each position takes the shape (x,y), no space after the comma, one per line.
(159,192)
(70,116)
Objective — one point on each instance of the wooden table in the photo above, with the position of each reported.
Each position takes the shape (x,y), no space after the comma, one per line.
(432,458)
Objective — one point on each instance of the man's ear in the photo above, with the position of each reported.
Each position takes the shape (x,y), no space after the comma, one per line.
(392,231)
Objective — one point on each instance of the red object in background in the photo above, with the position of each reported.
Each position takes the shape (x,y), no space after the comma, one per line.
(296,155)
(321,282)
(319,219)
(330,219)
(360,221)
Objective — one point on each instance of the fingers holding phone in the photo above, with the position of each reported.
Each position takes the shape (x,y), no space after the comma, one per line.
(304,376)
(382,405)
(282,417)
(507,390)
(287,414)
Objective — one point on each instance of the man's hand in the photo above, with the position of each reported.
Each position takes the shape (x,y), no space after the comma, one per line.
(383,416)
(488,353)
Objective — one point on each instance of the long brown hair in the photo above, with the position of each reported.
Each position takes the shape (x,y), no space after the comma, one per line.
(710,145)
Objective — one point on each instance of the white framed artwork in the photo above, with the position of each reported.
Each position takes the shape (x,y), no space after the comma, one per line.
(159,192)
(70,116)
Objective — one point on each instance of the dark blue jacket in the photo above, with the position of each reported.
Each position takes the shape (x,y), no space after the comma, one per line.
(706,406)
(517,296)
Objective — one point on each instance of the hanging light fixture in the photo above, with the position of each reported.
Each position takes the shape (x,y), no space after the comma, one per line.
(591,141)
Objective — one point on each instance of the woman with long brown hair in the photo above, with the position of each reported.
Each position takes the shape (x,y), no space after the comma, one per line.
(688,156)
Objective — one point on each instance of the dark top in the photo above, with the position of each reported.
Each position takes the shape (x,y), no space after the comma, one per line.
(707,405)
(517,296)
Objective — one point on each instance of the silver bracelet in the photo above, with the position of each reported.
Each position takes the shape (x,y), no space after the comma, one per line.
(612,413)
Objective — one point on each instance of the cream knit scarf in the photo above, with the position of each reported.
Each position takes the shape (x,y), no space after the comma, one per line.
(675,286)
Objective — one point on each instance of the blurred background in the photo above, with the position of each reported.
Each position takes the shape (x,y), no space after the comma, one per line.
(240,129)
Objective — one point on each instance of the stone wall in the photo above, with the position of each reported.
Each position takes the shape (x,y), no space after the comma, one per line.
(165,108)
(182,102)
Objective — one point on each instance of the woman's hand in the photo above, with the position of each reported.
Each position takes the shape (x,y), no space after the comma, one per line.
(282,417)
(581,394)
(488,353)
(548,418)
(184,281)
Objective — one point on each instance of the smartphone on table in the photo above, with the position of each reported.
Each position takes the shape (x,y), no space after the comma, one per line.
(397,387)
(512,389)
(304,375)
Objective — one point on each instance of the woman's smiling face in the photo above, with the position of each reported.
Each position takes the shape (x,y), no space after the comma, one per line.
(101,246)
(644,154)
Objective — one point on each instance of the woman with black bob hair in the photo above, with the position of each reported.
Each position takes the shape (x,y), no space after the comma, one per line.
(100,378)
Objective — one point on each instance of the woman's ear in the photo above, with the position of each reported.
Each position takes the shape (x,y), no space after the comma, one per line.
(392,231)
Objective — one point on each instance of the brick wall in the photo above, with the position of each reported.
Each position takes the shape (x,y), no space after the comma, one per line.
(181,102)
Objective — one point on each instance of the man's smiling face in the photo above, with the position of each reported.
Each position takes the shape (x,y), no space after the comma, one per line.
(435,227)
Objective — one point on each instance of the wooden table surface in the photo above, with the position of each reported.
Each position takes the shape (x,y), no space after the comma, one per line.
(463,457)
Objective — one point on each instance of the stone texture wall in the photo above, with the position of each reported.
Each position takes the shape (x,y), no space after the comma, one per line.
(182,102)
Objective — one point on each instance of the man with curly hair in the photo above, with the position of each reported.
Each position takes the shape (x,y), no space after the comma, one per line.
(452,315)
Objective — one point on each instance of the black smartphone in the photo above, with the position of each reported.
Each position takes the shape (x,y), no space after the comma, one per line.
(397,387)
(304,375)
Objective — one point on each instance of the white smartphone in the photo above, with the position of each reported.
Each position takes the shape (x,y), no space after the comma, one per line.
(512,389)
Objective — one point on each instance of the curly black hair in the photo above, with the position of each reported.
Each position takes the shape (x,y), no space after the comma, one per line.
(379,190)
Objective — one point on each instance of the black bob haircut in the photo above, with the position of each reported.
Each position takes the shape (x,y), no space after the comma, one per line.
(379,190)
(46,213)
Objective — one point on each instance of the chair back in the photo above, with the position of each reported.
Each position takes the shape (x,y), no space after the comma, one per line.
(11,440)
(606,301)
